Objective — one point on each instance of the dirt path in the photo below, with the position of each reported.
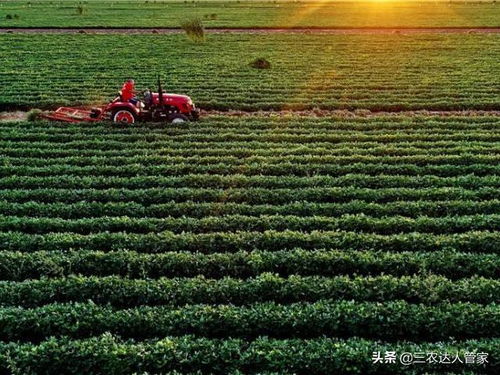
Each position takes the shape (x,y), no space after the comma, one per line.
(13,116)
(319,30)
(347,113)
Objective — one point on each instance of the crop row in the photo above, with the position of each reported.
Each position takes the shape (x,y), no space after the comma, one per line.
(281,122)
(477,241)
(459,159)
(289,122)
(247,195)
(162,154)
(395,320)
(265,132)
(422,159)
(250,169)
(124,292)
(286,125)
(18,266)
(306,137)
(242,181)
(199,209)
(188,354)
(73,155)
(104,142)
(235,223)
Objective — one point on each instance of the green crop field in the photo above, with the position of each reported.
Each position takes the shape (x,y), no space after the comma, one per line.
(376,72)
(338,198)
(258,245)
(247,13)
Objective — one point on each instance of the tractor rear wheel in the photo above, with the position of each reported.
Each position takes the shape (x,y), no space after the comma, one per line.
(178,118)
(123,116)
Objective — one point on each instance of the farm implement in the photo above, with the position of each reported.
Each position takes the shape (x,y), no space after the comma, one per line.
(155,107)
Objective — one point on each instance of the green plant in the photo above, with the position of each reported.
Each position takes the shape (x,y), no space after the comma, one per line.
(20,266)
(34,114)
(124,292)
(260,63)
(194,30)
(394,320)
(230,355)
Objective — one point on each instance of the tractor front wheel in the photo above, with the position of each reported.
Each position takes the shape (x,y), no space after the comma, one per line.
(178,118)
(123,116)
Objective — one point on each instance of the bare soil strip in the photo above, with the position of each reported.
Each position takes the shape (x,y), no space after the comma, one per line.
(319,30)
(13,116)
(348,113)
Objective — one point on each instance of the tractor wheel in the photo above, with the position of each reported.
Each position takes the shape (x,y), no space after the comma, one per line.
(123,116)
(178,118)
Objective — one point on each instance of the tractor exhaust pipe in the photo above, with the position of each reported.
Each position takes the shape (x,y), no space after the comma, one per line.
(160,91)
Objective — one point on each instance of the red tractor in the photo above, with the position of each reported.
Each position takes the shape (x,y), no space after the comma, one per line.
(155,106)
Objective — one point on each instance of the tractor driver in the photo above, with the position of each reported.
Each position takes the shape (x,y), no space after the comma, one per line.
(128,92)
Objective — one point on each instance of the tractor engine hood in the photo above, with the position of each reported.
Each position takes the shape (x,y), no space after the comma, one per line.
(171,98)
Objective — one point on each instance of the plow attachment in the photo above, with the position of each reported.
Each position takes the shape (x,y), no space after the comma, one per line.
(68,114)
